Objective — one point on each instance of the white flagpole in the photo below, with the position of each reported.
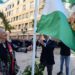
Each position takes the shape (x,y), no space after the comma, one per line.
(34,36)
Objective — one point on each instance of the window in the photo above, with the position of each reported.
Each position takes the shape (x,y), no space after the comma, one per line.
(17,10)
(9,7)
(18,2)
(16,17)
(19,26)
(24,0)
(26,24)
(12,19)
(15,26)
(5,9)
(24,7)
(31,4)
(12,5)
(22,25)
(40,11)
(20,17)
(8,20)
(27,15)
(23,16)
(30,25)
(31,13)
(9,13)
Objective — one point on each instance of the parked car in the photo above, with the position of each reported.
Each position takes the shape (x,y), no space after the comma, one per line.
(16,47)
(26,46)
(17,44)
(22,49)
(22,46)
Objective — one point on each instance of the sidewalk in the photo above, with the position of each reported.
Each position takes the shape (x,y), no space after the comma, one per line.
(24,59)
(56,66)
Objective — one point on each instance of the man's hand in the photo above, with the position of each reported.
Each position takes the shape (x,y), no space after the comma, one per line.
(41,42)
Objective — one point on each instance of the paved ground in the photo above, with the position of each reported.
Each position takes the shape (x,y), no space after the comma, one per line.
(24,59)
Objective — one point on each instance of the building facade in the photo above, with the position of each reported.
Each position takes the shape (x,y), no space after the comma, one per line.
(20,14)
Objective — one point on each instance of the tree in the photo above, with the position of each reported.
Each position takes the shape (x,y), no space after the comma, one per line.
(38,69)
(6,24)
(72,5)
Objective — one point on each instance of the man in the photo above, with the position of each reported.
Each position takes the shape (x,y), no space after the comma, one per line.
(65,57)
(47,56)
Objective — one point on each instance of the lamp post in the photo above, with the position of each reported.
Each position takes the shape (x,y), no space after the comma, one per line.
(23,30)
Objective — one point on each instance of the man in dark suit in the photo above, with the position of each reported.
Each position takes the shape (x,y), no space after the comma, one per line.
(47,56)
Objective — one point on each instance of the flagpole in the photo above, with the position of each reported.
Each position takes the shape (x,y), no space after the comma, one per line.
(34,36)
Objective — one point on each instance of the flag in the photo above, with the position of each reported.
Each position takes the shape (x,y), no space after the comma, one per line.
(69,1)
(54,23)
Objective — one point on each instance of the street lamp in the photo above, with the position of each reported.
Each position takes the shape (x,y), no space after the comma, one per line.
(23,30)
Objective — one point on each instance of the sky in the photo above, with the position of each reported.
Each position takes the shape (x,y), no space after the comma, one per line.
(3,0)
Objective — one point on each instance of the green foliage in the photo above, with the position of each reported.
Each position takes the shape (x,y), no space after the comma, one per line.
(72,5)
(27,71)
(7,26)
(38,70)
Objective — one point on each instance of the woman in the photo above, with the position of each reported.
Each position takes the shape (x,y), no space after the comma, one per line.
(6,55)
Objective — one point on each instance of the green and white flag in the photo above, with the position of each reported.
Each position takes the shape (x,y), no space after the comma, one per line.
(69,1)
(54,23)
